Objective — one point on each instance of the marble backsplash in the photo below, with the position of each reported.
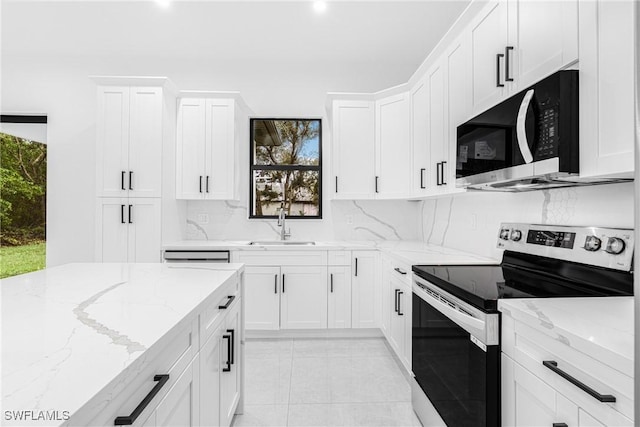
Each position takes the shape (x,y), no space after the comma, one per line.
(342,220)
(470,221)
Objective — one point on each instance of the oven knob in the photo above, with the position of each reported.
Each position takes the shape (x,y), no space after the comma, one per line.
(592,243)
(504,234)
(516,235)
(615,245)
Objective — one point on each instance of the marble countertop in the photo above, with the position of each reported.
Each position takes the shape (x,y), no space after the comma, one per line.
(410,252)
(68,331)
(600,327)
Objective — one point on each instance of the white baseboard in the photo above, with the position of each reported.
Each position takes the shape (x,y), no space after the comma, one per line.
(314,333)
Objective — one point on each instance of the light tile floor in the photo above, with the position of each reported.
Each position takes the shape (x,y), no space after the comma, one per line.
(324,382)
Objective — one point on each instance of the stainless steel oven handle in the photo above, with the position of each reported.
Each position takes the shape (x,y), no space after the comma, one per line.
(521,132)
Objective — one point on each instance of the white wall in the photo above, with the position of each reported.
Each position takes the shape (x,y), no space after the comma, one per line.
(471,221)
(60,87)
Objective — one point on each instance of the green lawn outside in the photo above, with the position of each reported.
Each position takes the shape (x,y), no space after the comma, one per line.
(21,259)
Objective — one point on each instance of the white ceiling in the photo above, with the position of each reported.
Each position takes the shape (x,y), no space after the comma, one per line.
(380,32)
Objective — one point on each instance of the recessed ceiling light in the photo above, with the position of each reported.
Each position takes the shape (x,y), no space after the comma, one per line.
(163,3)
(319,6)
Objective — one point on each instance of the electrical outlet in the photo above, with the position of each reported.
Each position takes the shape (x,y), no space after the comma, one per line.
(349,219)
(203,218)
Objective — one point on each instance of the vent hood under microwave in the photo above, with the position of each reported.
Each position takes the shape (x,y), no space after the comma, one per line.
(528,142)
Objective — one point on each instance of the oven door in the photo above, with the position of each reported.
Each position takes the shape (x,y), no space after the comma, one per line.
(456,358)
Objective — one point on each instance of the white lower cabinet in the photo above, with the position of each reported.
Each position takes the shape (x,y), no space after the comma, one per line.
(262,301)
(303,302)
(339,301)
(231,376)
(210,373)
(397,300)
(365,290)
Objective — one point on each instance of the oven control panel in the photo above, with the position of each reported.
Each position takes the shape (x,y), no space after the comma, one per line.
(599,246)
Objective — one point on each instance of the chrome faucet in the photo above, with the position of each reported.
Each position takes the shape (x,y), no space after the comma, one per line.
(281,223)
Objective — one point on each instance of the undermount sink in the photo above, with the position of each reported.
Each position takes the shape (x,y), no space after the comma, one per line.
(280,243)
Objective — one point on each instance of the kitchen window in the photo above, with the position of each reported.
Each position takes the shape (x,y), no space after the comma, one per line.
(286,168)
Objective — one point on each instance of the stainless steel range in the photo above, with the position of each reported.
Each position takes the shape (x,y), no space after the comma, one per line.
(456,325)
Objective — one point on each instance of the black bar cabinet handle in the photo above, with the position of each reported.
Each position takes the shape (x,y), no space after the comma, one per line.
(331,279)
(130,180)
(356,267)
(229,301)
(283,283)
(560,425)
(400,313)
(442,181)
(507,77)
(122,214)
(228,362)
(207,184)
(336,184)
(553,365)
(377,184)
(395,301)
(127,421)
(399,270)
(422,171)
(438,174)
(130,216)
(498,56)
(232,345)
(275,283)
(122,180)
(201,183)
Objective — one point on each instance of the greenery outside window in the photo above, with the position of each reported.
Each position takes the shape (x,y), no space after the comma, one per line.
(286,168)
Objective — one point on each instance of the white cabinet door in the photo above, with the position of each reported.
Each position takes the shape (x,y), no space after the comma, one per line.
(488,41)
(180,406)
(262,297)
(458,100)
(421,170)
(438,137)
(112,230)
(606,30)
(396,320)
(365,292)
(386,297)
(112,125)
(144,174)
(210,371)
(231,366)
(220,149)
(393,147)
(353,150)
(190,156)
(304,297)
(339,303)
(544,37)
(143,221)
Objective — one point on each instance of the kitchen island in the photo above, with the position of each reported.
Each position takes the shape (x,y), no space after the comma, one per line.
(84,344)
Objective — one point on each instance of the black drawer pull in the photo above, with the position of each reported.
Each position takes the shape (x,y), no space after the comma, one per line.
(356,267)
(127,421)
(377,183)
(507,75)
(399,270)
(122,180)
(336,184)
(395,305)
(442,172)
(207,183)
(422,171)
(400,313)
(130,180)
(201,183)
(560,425)
(275,283)
(605,398)
(498,56)
(331,282)
(283,283)
(122,214)
(438,165)
(130,216)
(224,307)
(228,362)
(233,343)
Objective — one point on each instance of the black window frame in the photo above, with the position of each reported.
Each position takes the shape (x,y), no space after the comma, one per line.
(253,167)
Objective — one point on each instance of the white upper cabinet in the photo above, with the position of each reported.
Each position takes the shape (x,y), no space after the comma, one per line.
(543,36)
(353,150)
(606,88)
(488,36)
(206,149)
(393,147)
(438,137)
(129,141)
(419,132)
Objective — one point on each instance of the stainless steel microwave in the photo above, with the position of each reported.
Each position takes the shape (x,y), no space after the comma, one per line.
(527,142)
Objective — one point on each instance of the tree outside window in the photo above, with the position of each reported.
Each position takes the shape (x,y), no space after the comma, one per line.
(286,168)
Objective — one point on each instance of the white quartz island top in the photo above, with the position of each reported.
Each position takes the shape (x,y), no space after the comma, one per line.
(411,252)
(601,327)
(68,331)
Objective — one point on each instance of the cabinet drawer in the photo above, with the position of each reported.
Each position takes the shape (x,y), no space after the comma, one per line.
(136,381)
(400,270)
(277,257)
(531,347)
(210,317)
(339,257)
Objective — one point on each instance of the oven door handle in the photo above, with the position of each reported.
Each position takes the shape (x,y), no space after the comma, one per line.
(465,321)
(521,133)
